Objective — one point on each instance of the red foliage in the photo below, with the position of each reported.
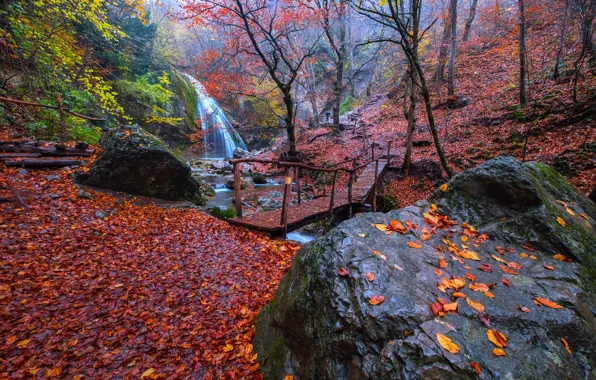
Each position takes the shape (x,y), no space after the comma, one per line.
(171,293)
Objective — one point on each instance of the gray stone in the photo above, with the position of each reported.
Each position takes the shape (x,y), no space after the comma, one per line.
(100,214)
(240,153)
(54,196)
(52,177)
(84,195)
(136,162)
(22,171)
(320,325)
(259,178)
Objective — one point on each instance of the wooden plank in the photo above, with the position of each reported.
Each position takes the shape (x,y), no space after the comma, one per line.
(237,190)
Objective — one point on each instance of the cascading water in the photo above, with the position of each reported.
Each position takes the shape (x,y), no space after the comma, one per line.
(219,137)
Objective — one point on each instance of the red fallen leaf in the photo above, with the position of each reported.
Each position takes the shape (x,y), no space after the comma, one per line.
(442,264)
(528,247)
(476,367)
(470,276)
(523,308)
(376,300)
(549,267)
(506,282)
(485,319)
(437,309)
(441,301)
(508,270)
(510,250)
(499,249)
(514,265)
(486,268)
(397,226)
(342,271)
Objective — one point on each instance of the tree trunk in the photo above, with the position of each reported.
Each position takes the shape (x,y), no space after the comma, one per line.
(453,46)
(289,120)
(471,16)
(523,58)
(411,115)
(587,26)
(443,51)
(561,41)
(337,87)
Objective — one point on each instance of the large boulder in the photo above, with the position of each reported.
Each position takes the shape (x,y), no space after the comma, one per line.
(325,321)
(136,162)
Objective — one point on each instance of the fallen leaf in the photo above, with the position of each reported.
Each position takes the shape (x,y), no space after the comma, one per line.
(549,267)
(470,276)
(370,276)
(508,270)
(227,348)
(479,287)
(569,211)
(496,338)
(560,257)
(447,343)
(147,373)
(506,282)
(548,303)
(475,305)
(458,295)
(476,367)
(23,343)
(443,187)
(498,352)
(450,306)
(414,245)
(584,216)
(464,238)
(425,237)
(437,309)
(499,259)
(342,271)
(381,227)
(561,221)
(438,272)
(396,225)
(362,235)
(486,268)
(376,300)
(485,319)
(489,295)
(514,265)
(288,377)
(566,345)
(523,308)
(442,264)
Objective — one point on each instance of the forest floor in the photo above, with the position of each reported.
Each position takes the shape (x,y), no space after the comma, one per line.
(107,287)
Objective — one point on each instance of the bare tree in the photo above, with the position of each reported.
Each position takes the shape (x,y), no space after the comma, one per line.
(523,55)
(561,41)
(452,47)
(389,14)
(470,20)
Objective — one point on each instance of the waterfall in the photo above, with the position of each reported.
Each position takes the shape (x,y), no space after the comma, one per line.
(219,136)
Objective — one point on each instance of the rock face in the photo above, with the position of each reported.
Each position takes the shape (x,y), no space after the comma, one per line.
(321,323)
(136,162)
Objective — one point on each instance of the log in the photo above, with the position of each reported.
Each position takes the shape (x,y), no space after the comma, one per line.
(43,163)
(19,155)
(46,151)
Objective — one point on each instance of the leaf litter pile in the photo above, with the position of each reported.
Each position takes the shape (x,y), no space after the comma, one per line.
(138,291)
(463,246)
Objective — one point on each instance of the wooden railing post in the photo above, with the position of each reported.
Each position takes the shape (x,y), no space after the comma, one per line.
(298,190)
(350,185)
(286,201)
(372,149)
(388,152)
(332,201)
(374,200)
(237,189)
(62,121)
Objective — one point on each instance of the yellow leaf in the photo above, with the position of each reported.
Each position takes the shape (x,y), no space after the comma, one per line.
(464,238)
(496,338)
(228,347)
(147,373)
(498,352)
(569,211)
(381,227)
(561,221)
(584,216)
(475,305)
(443,187)
(447,344)
(23,343)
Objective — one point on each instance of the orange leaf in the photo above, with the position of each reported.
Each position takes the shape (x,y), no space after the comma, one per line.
(548,303)
(442,264)
(425,237)
(288,377)
(508,270)
(549,267)
(479,287)
(489,295)
(447,344)
(443,187)
(450,306)
(370,276)
(470,276)
(475,305)
(561,221)
(414,245)
(560,257)
(566,345)
(497,338)
(458,295)
(376,300)
(498,352)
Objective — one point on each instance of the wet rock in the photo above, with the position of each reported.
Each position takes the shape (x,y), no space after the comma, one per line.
(84,195)
(241,153)
(52,177)
(136,162)
(54,196)
(100,214)
(259,178)
(321,325)
(245,183)
(22,171)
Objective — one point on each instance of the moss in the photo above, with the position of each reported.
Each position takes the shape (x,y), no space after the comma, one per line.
(223,213)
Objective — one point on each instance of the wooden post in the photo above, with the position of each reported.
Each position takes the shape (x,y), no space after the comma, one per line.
(388,152)
(374,200)
(62,121)
(332,201)
(298,190)
(286,201)
(350,185)
(372,149)
(237,190)
(363,138)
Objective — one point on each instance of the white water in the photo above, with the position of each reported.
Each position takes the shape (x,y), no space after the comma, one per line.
(219,136)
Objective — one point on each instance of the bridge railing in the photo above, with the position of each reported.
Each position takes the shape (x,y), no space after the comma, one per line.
(290,167)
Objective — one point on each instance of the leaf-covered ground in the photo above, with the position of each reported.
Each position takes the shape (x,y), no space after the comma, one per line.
(142,292)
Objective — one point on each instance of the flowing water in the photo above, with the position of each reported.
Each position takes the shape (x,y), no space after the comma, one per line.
(219,136)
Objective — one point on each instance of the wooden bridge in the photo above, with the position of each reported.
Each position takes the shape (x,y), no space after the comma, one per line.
(362,185)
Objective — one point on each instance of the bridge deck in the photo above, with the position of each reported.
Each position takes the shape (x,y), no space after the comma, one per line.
(310,212)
